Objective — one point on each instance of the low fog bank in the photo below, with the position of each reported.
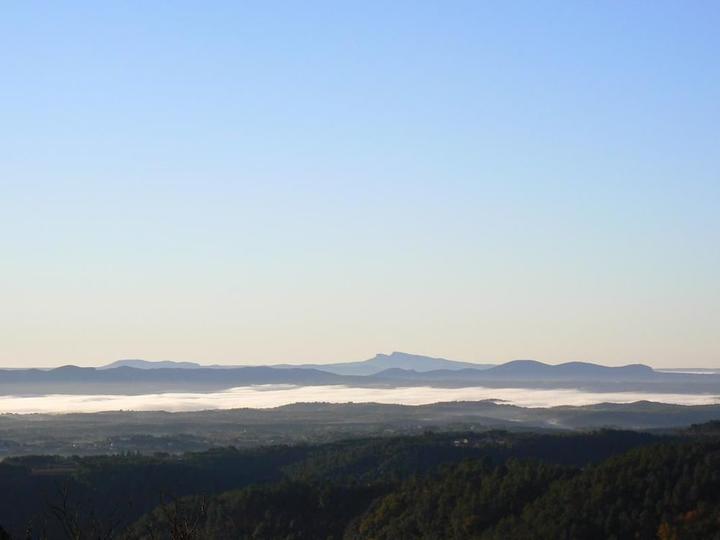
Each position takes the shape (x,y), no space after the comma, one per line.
(268,396)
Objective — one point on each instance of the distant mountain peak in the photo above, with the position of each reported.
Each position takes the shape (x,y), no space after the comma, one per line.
(148,364)
(398,360)
(400,354)
(525,363)
(72,367)
(395,360)
(533,368)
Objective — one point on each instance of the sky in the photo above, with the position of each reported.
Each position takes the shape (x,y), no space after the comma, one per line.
(258,182)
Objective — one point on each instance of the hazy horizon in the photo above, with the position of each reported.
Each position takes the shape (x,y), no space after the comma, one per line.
(311,185)
(679,365)
(235,183)
(270,396)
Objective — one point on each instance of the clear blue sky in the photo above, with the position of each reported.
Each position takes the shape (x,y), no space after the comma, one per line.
(246,182)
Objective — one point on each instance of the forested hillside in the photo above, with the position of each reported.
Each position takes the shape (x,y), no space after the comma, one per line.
(665,491)
(492,485)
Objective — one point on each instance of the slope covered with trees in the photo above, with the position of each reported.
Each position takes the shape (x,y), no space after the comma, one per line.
(492,485)
(664,491)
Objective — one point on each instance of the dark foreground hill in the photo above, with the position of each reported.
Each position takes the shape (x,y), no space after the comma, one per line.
(494,484)
(665,492)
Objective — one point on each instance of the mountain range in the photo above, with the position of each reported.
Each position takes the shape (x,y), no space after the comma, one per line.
(393,370)
(395,360)
(378,363)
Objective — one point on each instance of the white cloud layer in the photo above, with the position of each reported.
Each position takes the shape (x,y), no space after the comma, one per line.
(267,396)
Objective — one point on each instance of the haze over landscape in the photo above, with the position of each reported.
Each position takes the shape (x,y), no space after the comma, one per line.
(360,270)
